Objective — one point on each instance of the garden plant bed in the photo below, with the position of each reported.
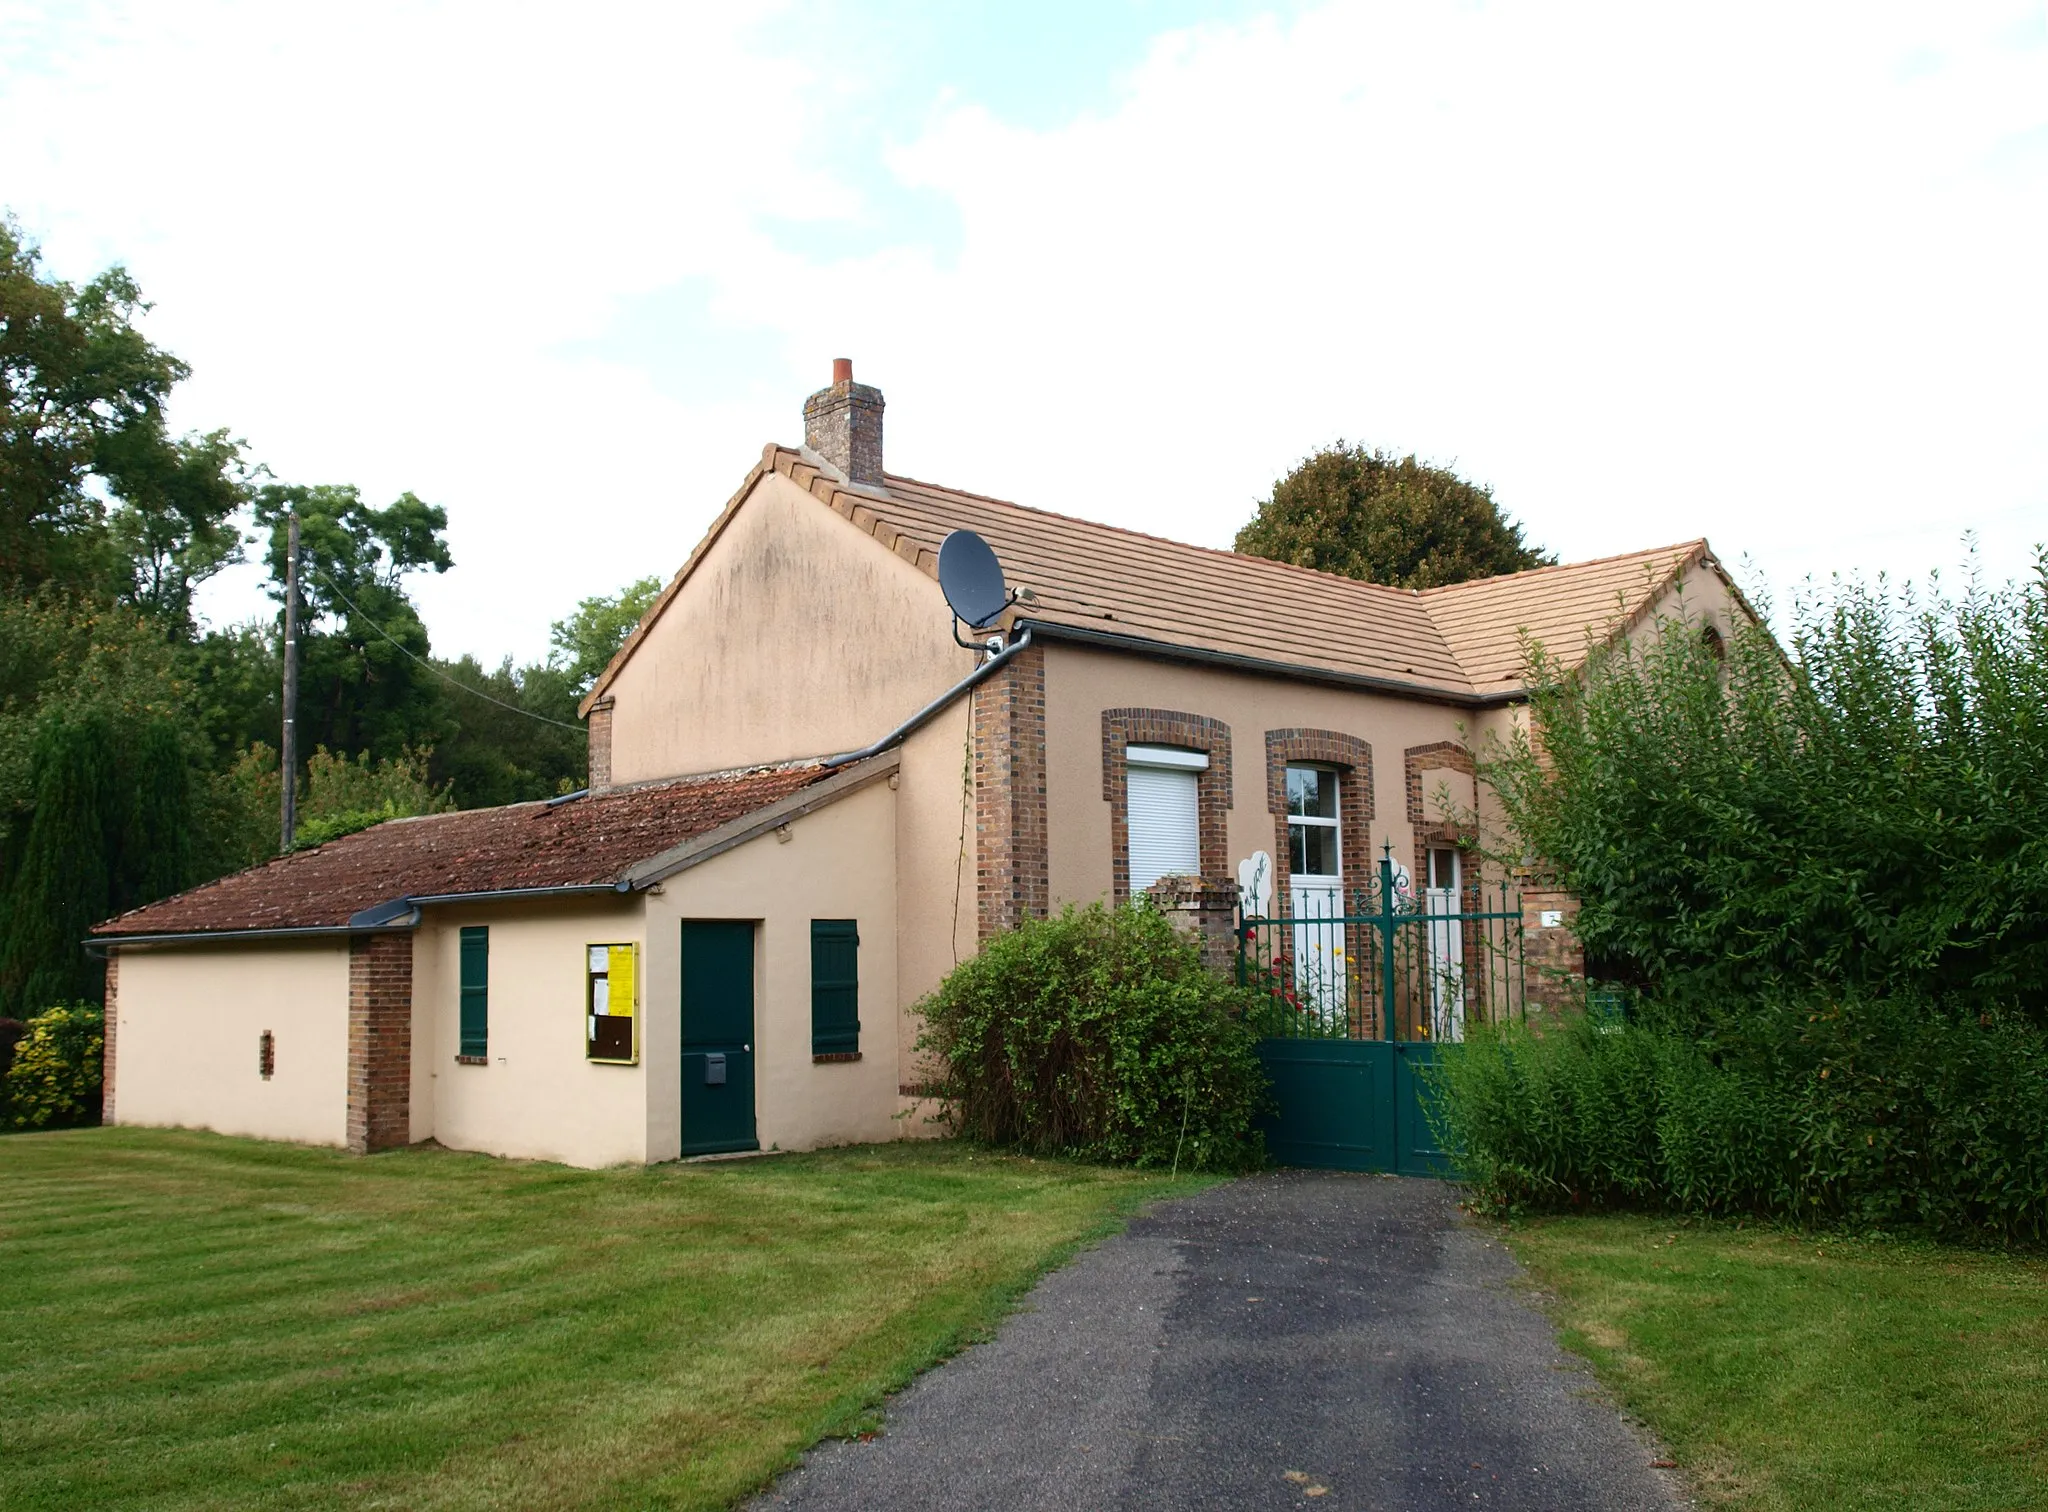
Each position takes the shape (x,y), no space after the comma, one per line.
(193,1321)
(1792,1370)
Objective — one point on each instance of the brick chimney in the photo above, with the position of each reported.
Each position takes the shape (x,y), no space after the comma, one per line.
(843,424)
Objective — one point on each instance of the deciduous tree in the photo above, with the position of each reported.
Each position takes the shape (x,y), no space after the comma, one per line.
(587,640)
(1386,519)
(82,395)
(362,683)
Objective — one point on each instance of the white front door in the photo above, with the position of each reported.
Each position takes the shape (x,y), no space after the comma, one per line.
(1446,952)
(1315,873)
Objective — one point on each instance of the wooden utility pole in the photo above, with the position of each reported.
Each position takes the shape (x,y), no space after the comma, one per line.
(288,757)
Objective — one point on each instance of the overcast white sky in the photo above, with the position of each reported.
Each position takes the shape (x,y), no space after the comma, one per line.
(1772,273)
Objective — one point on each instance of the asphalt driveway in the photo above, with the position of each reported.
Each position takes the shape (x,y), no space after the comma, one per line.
(1298,1339)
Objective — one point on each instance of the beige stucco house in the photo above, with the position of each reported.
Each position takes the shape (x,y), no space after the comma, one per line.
(809,800)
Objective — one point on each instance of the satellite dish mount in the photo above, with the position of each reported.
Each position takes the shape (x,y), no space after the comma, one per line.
(972,580)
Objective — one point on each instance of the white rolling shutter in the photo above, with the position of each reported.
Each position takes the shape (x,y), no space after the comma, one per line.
(1166,838)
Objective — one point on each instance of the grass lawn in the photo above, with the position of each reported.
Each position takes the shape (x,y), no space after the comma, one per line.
(192,1321)
(1794,1371)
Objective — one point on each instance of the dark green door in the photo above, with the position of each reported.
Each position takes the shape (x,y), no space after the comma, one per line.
(718,1038)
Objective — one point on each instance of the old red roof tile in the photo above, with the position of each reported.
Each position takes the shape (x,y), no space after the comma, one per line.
(589,841)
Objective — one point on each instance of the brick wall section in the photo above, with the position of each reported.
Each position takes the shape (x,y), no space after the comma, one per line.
(600,727)
(1480,985)
(1553,959)
(113,1026)
(1353,759)
(1012,868)
(379,1041)
(1204,911)
(1416,760)
(1122,728)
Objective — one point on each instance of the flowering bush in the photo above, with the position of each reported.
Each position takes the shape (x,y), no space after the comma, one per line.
(55,1078)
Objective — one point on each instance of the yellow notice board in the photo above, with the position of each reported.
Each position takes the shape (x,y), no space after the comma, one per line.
(611,1001)
(623,984)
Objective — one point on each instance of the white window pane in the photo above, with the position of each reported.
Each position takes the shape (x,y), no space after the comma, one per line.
(1314,850)
(1312,791)
(1166,838)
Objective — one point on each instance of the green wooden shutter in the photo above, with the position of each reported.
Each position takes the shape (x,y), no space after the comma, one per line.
(476,990)
(835,986)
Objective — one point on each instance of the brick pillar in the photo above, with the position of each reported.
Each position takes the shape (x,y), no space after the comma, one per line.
(113,1025)
(1553,959)
(1011,871)
(1205,910)
(600,728)
(379,1041)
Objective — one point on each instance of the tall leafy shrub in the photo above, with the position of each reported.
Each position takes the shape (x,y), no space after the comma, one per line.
(1850,1112)
(1099,1033)
(1865,810)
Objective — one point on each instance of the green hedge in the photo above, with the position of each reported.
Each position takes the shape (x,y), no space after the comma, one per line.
(1887,1113)
(1099,1033)
(53,1079)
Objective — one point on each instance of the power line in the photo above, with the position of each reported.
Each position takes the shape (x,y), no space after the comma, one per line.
(452,682)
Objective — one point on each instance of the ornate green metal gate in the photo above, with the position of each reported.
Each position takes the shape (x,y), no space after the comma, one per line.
(1354,1005)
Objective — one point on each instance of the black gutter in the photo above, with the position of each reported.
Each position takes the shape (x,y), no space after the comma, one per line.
(1136,645)
(936,707)
(97,943)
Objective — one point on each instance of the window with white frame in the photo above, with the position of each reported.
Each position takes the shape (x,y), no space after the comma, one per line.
(1162,801)
(1312,849)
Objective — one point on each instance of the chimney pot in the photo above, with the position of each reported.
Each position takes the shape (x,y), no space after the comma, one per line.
(843,424)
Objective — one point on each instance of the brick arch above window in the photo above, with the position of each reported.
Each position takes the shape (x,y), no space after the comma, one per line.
(1352,758)
(1446,755)
(1123,728)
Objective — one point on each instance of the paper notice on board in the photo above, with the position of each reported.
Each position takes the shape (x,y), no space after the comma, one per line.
(620,971)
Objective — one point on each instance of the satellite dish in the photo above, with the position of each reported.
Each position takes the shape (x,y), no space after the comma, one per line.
(972,578)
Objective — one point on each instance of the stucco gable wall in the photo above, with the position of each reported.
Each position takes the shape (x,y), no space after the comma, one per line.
(796,635)
(1699,598)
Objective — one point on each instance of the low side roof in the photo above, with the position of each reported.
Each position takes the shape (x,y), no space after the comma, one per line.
(1461,642)
(588,842)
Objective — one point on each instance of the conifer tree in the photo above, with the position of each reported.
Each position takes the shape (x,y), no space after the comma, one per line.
(155,843)
(64,883)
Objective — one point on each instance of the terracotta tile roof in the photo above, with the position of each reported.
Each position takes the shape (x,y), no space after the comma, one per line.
(1461,642)
(588,841)
(1559,606)
(1097,577)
